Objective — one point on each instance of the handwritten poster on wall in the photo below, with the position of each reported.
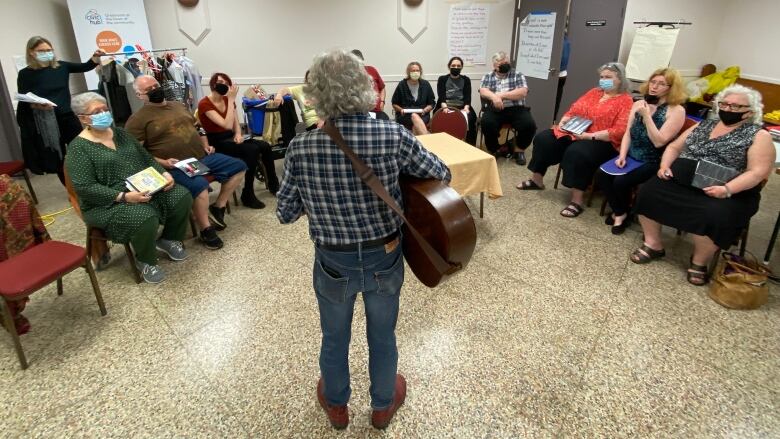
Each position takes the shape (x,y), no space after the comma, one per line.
(467,33)
(534,47)
(652,49)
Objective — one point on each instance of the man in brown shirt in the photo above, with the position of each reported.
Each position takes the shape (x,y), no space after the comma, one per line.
(167,130)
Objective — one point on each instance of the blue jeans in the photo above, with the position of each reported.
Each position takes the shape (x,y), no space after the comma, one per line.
(338,277)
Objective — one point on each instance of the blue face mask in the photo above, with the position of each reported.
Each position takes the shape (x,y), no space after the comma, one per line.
(44,56)
(606,84)
(101,121)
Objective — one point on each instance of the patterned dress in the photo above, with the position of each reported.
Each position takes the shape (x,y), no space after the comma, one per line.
(98,175)
(684,207)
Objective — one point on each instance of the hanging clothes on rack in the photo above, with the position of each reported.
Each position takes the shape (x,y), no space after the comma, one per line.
(193,80)
(113,89)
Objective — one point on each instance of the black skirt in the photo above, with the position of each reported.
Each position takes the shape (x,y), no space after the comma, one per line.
(691,210)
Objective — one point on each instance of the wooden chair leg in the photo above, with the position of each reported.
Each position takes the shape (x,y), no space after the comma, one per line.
(193,227)
(29,186)
(557,177)
(131,259)
(59,286)
(603,209)
(743,239)
(235,198)
(96,286)
(11,328)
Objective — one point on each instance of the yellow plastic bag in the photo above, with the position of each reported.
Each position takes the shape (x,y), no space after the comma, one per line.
(717,82)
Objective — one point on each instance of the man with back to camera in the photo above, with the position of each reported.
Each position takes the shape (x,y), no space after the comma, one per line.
(356,235)
(505,90)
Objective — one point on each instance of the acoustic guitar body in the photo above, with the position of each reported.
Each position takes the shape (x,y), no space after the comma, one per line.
(443,219)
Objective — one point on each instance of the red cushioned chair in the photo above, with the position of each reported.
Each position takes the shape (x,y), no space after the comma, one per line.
(16,169)
(452,122)
(33,269)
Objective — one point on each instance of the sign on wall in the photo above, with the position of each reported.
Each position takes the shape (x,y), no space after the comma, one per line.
(111,25)
(467,33)
(534,47)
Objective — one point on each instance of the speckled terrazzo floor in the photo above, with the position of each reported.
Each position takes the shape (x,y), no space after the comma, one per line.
(551,332)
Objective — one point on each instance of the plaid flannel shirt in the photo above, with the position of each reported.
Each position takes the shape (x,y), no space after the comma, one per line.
(319,180)
(516,80)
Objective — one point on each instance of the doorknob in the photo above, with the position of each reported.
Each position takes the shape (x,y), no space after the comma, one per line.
(553,70)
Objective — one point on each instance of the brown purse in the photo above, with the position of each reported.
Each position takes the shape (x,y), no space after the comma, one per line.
(739,283)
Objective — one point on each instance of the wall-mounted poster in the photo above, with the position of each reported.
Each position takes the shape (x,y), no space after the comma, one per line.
(534,47)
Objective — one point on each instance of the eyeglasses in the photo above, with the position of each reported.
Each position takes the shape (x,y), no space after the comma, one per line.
(732,107)
(659,83)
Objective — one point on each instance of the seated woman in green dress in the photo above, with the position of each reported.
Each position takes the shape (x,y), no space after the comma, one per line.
(98,162)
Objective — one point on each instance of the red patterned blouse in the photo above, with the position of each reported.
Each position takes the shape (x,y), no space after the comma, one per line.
(610,115)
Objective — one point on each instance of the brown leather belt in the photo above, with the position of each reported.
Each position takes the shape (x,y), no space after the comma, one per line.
(355,245)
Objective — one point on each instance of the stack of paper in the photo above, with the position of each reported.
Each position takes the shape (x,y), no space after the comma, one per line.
(32,98)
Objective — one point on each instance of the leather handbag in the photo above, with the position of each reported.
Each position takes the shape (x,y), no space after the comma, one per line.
(739,282)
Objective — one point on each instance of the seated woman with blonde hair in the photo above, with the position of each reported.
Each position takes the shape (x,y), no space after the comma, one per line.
(714,215)
(654,121)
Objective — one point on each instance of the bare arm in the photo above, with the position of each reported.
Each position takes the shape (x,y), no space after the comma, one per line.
(675,118)
(672,152)
(626,141)
(761,160)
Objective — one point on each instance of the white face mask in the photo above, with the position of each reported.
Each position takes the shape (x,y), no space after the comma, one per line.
(414,75)
(47,56)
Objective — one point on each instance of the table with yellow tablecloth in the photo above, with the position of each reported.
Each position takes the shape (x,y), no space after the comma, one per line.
(473,171)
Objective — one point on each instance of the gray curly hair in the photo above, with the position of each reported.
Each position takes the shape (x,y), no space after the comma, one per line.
(620,70)
(753,97)
(338,84)
(80,102)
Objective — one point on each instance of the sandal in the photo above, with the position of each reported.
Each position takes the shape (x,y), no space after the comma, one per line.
(645,254)
(529,185)
(698,274)
(573,210)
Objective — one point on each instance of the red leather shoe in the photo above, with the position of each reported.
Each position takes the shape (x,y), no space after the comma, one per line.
(381,418)
(337,415)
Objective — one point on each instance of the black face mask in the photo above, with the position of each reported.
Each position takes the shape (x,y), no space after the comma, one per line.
(455,71)
(730,117)
(156,96)
(504,68)
(221,89)
(652,99)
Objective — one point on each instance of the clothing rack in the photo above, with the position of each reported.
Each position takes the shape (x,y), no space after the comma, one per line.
(182,49)
(671,24)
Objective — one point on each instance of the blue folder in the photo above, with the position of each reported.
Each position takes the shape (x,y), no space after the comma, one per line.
(611,168)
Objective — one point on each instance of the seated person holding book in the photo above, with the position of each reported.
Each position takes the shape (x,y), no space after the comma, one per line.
(413,95)
(167,131)
(99,161)
(683,194)
(217,115)
(603,116)
(654,122)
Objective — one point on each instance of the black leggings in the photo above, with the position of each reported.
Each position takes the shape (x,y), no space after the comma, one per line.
(579,160)
(249,152)
(618,187)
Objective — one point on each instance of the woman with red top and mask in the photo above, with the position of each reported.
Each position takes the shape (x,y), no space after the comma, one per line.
(217,116)
(580,155)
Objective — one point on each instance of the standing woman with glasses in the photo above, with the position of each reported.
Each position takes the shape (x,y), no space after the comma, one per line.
(715,215)
(654,121)
(454,91)
(46,129)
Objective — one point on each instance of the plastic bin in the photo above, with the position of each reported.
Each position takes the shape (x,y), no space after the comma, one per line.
(254,109)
